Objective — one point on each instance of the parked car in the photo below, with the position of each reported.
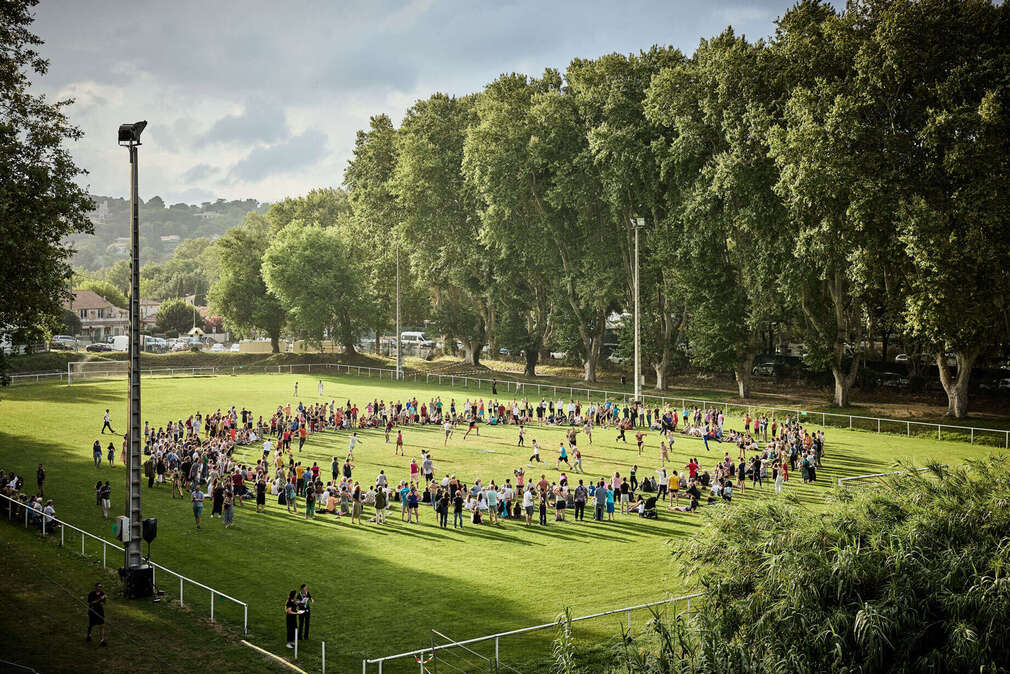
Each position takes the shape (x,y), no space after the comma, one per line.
(902,358)
(63,343)
(98,347)
(418,339)
(1004,384)
(559,355)
(505,351)
(892,380)
(235,348)
(763,370)
(217,348)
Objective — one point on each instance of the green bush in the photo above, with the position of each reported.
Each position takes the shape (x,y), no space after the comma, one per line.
(909,575)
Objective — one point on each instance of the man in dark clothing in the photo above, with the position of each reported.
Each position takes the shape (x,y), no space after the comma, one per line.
(40,477)
(305,602)
(96,613)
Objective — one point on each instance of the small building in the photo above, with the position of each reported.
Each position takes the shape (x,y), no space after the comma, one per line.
(149,312)
(100,318)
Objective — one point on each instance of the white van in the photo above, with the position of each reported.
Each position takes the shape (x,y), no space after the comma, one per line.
(418,339)
(120,342)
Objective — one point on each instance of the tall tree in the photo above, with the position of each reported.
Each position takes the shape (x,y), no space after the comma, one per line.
(718,106)
(441,226)
(240,294)
(529,159)
(307,267)
(627,151)
(41,203)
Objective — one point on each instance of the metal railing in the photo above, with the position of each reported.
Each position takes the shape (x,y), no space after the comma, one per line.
(49,524)
(432,650)
(972,434)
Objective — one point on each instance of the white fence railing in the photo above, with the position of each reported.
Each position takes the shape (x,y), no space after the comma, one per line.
(494,660)
(49,526)
(843,481)
(990,436)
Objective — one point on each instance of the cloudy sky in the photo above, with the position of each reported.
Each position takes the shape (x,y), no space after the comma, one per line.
(263,99)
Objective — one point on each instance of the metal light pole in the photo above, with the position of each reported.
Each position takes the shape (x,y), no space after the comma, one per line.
(638,223)
(134,568)
(399,353)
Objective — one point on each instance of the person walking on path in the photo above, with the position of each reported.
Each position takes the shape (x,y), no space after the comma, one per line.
(104,498)
(107,423)
(96,613)
(197,497)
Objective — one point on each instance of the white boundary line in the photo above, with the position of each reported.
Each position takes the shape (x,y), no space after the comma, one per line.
(273,657)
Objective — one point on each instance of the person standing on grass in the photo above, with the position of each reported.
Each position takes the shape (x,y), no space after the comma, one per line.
(442,508)
(310,503)
(639,440)
(40,478)
(427,467)
(110,454)
(457,509)
(291,616)
(304,601)
(352,442)
(229,508)
(356,505)
(197,497)
(96,613)
(381,496)
(320,387)
(580,501)
(447,427)
(296,388)
(412,502)
(107,423)
(522,436)
(261,494)
(290,497)
(399,443)
(578,460)
(96,453)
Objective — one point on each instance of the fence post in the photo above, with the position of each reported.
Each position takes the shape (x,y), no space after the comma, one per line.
(850,421)
(938,431)
(180,591)
(629,621)
(212,605)
(324,657)
(82,544)
(296,642)
(972,439)
(495,654)
(104,549)
(61,536)
(878,425)
(245,618)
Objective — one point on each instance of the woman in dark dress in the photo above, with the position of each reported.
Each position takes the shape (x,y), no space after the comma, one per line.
(291,615)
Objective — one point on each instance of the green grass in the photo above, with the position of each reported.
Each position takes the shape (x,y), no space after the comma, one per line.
(379,590)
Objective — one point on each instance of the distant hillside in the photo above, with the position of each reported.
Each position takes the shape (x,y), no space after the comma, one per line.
(162,228)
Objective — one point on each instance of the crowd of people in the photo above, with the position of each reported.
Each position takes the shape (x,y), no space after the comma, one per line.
(231,456)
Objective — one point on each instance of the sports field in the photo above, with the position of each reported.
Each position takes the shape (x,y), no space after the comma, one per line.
(379,590)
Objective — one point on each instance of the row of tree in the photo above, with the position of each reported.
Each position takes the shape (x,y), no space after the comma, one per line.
(845,178)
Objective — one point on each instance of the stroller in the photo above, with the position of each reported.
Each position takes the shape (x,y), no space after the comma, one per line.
(650,509)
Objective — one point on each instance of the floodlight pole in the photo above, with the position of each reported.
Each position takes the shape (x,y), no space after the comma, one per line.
(638,223)
(399,353)
(134,556)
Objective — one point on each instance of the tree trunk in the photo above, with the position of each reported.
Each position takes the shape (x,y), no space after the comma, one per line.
(744,375)
(378,344)
(957,387)
(661,381)
(275,342)
(471,352)
(592,344)
(844,380)
(532,355)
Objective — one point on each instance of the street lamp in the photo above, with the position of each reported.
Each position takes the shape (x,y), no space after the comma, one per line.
(638,224)
(139,577)
(399,346)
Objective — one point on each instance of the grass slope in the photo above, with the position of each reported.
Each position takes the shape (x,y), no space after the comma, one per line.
(378,591)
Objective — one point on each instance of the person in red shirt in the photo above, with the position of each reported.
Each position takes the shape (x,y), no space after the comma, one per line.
(692,468)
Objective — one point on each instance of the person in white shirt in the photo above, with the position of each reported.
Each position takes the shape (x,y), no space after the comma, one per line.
(528,505)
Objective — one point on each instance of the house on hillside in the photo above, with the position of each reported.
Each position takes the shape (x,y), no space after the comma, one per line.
(149,312)
(100,318)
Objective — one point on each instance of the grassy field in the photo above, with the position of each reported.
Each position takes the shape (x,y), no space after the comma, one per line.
(379,590)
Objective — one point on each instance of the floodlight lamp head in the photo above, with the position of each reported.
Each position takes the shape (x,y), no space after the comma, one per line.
(639,222)
(129,134)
